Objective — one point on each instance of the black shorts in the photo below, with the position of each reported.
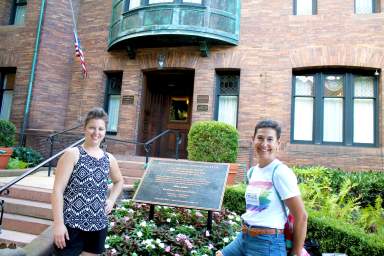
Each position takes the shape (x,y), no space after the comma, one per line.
(83,241)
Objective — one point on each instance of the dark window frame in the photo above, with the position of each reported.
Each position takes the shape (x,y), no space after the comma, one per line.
(3,73)
(144,3)
(348,106)
(15,4)
(112,77)
(218,74)
(314,7)
(375,7)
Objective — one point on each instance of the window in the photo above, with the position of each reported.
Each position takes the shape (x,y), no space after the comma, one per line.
(18,12)
(304,7)
(7,83)
(132,4)
(335,107)
(112,101)
(366,6)
(227,97)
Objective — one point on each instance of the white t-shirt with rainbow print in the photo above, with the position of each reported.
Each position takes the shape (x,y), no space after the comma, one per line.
(263,206)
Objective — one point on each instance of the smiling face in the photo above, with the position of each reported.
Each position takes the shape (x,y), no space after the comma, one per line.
(94,131)
(266,145)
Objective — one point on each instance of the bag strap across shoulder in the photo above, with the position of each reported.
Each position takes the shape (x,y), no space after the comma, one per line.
(277,192)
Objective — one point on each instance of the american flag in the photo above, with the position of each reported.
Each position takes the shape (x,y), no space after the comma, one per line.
(80,54)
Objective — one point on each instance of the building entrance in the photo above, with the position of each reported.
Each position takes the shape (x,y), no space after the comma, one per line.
(167,105)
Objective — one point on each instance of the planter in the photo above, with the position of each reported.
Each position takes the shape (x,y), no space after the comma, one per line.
(232,173)
(4,158)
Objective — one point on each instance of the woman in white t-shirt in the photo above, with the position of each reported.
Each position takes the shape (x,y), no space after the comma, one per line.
(264,219)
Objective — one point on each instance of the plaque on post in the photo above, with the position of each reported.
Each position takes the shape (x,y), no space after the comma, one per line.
(187,184)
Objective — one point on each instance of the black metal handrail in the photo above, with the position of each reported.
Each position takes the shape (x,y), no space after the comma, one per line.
(51,139)
(4,190)
(148,144)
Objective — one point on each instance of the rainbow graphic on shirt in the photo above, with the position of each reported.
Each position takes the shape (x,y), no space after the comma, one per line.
(257,195)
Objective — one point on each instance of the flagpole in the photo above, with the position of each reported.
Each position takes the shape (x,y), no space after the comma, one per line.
(73,17)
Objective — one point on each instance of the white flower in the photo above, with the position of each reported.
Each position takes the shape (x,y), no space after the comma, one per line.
(106,246)
(231,217)
(168,220)
(112,224)
(158,241)
(171,229)
(143,224)
(207,233)
(161,245)
(139,234)
(226,239)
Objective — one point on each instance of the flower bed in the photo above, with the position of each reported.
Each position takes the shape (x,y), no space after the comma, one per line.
(174,231)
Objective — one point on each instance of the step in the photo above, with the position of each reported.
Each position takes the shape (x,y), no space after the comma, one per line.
(26,224)
(30,193)
(19,238)
(28,208)
(130,180)
(131,168)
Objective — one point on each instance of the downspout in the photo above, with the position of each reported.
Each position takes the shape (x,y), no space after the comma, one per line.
(22,140)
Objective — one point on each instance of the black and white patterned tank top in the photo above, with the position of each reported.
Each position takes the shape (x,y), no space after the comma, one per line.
(86,193)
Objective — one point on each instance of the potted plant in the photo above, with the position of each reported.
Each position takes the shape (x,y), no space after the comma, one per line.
(213,141)
(7,140)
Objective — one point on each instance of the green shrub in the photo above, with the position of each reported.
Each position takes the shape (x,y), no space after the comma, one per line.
(234,198)
(338,236)
(15,163)
(367,185)
(28,155)
(7,133)
(212,141)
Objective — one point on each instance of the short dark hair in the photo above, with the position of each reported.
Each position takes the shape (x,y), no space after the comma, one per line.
(96,113)
(268,123)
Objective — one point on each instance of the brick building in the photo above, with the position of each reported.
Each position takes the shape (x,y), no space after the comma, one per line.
(315,66)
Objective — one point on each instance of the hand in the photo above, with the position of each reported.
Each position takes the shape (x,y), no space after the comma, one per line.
(60,233)
(108,206)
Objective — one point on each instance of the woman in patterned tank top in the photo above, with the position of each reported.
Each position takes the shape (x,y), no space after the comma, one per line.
(79,199)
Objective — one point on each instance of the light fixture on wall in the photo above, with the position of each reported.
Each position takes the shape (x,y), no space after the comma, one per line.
(161,60)
(377,73)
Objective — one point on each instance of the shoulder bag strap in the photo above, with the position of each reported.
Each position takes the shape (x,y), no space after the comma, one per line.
(277,192)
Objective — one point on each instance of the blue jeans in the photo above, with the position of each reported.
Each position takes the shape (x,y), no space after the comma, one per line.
(261,245)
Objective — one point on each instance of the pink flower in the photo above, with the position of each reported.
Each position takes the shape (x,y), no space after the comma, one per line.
(168,249)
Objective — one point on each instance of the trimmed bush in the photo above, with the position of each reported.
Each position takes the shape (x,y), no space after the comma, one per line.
(212,141)
(234,198)
(7,133)
(28,155)
(338,236)
(15,163)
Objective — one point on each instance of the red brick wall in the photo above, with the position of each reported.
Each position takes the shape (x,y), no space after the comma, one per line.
(272,43)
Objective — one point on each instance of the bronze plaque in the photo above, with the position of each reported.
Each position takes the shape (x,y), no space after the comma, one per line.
(185,184)
(202,108)
(128,99)
(202,98)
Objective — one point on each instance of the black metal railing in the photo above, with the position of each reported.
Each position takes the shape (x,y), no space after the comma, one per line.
(51,139)
(4,190)
(148,144)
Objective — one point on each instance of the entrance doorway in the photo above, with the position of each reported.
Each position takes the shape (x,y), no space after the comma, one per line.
(167,105)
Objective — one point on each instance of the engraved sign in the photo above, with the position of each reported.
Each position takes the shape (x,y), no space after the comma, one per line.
(128,99)
(185,184)
(202,108)
(202,98)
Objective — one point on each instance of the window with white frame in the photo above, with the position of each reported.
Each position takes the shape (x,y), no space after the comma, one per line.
(18,12)
(366,6)
(7,83)
(112,101)
(304,7)
(335,107)
(227,97)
